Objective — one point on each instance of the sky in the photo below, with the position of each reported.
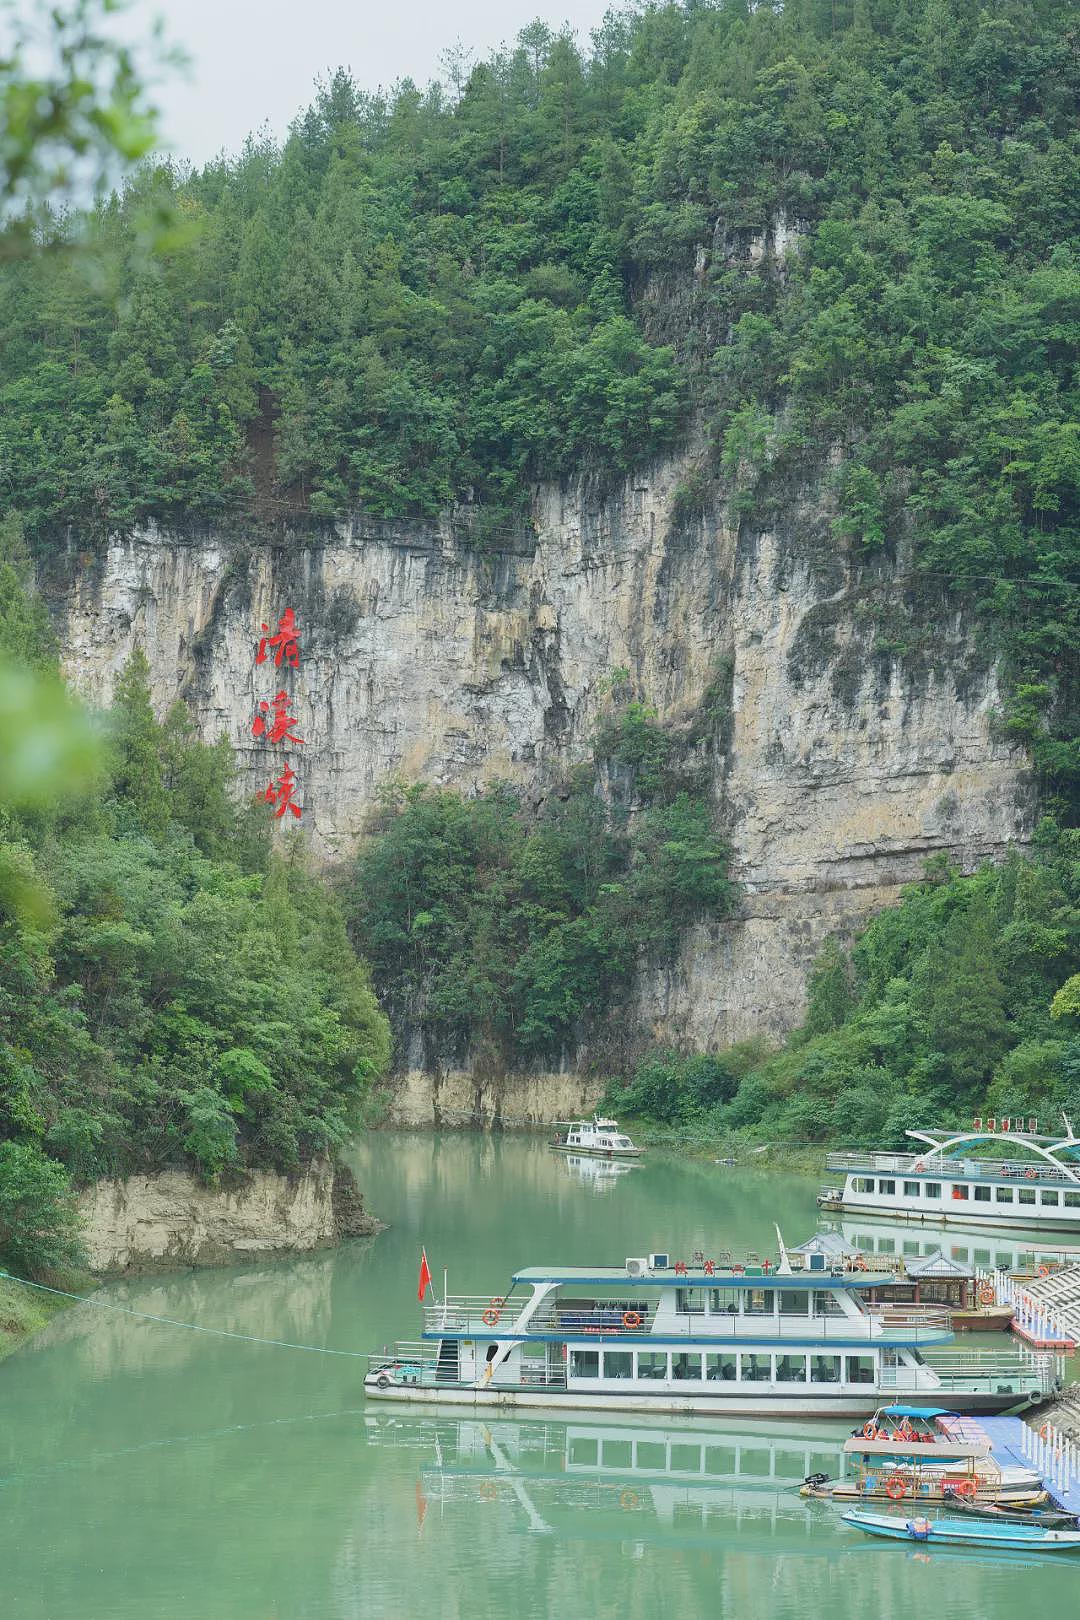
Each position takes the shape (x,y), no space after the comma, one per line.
(253,62)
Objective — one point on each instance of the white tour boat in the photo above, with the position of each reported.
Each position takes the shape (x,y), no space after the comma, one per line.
(713,1337)
(1035,1182)
(601,1137)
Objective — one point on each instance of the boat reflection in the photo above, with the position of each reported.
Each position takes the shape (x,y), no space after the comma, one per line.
(1000,1247)
(638,1479)
(599,1175)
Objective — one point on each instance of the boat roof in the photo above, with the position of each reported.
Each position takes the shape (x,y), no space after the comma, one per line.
(918,1411)
(698,1277)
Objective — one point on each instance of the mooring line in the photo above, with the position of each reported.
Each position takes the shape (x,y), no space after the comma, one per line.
(192,1327)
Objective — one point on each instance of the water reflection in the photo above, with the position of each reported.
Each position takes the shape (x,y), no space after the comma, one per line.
(597,1175)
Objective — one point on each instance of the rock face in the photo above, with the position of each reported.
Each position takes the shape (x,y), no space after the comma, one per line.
(849,707)
(153,1222)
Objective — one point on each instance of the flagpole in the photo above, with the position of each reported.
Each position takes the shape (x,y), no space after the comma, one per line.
(445,1312)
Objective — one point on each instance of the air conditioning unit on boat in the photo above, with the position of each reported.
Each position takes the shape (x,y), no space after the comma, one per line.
(659,1262)
(637,1266)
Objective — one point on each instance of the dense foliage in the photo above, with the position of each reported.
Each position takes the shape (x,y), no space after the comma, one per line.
(434,297)
(492,931)
(962,1000)
(169,992)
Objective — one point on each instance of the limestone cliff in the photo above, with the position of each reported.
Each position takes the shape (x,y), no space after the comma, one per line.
(843,710)
(154,1222)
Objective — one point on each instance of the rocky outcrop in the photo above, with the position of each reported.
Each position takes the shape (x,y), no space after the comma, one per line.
(154,1222)
(842,711)
(463,1099)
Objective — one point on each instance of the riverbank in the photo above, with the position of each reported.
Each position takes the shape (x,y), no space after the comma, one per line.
(24,1311)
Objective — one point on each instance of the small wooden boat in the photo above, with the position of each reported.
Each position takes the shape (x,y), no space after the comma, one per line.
(964,1533)
(1049,1518)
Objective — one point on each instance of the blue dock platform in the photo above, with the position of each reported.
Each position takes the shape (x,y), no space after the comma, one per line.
(1036,1445)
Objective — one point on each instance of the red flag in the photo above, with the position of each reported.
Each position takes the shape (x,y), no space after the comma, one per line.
(425,1276)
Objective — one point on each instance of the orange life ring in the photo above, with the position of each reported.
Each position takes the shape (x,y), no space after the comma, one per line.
(965,1487)
(490,1316)
(628,1501)
(895,1487)
(919,1166)
(1044,1271)
(1031,1174)
(631,1319)
(1044,1432)
(987,1296)
(869,1432)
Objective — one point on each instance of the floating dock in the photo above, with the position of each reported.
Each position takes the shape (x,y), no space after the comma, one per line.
(1043,1447)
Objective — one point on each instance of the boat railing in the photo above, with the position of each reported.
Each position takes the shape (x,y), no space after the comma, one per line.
(459,1312)
(912,1316)
(413,1361)
(964,1169)
(1026,1372)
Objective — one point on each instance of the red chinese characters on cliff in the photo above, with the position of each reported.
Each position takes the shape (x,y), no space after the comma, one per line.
(273,722)
(286,643)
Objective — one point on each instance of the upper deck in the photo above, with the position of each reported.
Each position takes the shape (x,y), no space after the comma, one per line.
(1029,1156)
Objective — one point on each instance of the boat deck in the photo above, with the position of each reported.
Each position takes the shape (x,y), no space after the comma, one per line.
(1015,1444)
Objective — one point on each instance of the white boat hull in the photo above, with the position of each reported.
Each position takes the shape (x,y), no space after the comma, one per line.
(842,1405)
(996,1216)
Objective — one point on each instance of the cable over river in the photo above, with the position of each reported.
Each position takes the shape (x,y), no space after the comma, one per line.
(152,1473)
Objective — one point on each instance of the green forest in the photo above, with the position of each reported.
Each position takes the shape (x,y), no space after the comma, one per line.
(419,304)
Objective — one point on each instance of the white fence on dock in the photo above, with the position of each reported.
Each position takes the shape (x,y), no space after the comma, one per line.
(1055,1456)
(1038,1319)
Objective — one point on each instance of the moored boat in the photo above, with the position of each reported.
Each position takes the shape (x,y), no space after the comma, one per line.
(599,1137)
(1000,1173)
(711,1336)
(964,1532)
(1049,1517)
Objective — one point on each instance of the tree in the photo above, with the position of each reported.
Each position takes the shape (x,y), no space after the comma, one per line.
(39,1222)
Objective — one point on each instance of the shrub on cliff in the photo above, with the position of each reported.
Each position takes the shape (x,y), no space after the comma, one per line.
(39,1223)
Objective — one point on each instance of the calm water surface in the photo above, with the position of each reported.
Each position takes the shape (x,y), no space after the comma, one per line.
(148,1473)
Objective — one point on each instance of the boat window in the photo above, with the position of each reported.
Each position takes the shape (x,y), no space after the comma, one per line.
(982,1195)
(859,1369)
(616,1453)
(584,1363)
(684,1366)
(651,1456)
(827,1303)
(824,1369)
(652,1364)
(863,1184)
(1025,1195)
(583,1451)
(791,1369)
(492,1352)
(911,1189)
(724,1301)
(1072,1200)
(1048,1196)
(960,1190)
(756,1368)
(722,1367)
(690,1300)
(932,1189)
(618,1364)
(685,1459)
(759,1302)
(981,1257)
(722,1460)
(794,1301)
(1003,1195)
(887,1187)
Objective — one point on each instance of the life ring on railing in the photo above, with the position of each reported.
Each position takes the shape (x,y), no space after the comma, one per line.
(1044,1271)
(490,1317)
(987,1294)
(895,1487)
(965,1487)
(1044,1432)
(919,1166)
(1031,1174)
(628,1501)
(631,1320)
(869,1432)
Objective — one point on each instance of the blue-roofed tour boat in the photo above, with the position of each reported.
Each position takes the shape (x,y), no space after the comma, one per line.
(797,1337)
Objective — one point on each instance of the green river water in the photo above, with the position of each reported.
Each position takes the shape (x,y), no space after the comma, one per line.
(150,1473)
